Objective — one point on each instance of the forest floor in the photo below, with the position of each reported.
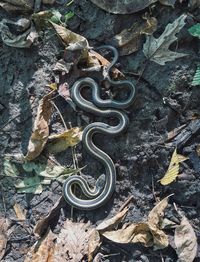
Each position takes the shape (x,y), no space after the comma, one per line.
(165,100)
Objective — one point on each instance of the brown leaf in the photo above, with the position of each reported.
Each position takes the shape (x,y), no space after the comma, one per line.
(104,62)
(41,128)
(198,150)
(156,215)
(60,142)
(3,236)
(129,39)
(43,249)
(93,244)
(185,241)
(72,40)
(112,222)
(72,242)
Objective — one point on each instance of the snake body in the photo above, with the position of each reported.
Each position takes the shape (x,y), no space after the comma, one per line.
(105,184)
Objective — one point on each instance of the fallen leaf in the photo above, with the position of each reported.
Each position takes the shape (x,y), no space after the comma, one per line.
(94,244)
(60,142)
(30,185)
(21,215)
(72,40)
(72,242)
(129,39)
(156,215)
(195,30)
(40,133)
(185,241)
(22,40)
(4,236)
(43,249)
(53,86)
(157,49)
(9,169)
(112,222)
(173,169)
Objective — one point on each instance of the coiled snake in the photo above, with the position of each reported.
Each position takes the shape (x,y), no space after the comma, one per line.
(105,185)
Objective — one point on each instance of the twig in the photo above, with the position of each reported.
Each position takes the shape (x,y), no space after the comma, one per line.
(63,121)
(130,199)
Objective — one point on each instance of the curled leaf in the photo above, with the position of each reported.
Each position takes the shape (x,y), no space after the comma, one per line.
(41,128)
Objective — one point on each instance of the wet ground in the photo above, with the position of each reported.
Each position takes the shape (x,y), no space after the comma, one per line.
(141,155)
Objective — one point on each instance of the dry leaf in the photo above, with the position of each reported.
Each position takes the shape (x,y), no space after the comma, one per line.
(22,40)
(3,236)
(185,241)
(41,128)
(60,142)
(129,39)
(93,244)
(156,215)
(42,250)
(72,242)
(72,40)
(112,222)
(173,169)
(21,215)
(157,49)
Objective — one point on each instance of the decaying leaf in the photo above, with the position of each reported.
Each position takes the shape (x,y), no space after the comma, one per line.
(60,142)
(42,250)
(173,169)
(156,215)
(72,40)
(23,40)
(41,128)
(4,236)
(10,169)
(185,241)
(94,244)
(198,150)
(70,244)
(30,185)
(21,215)
(129,39)
(157,49)
(112,222)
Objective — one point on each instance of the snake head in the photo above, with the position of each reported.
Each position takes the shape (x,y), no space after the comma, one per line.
(100,183)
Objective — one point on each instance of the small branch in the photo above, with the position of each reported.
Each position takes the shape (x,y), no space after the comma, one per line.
(130,199)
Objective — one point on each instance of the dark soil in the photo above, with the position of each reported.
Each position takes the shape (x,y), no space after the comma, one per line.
(140,154)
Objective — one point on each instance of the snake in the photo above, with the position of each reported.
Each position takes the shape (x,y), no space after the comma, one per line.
(105,185)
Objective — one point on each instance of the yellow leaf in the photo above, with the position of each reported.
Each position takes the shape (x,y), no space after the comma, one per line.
(53,86)
(60,142)
(173,169)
